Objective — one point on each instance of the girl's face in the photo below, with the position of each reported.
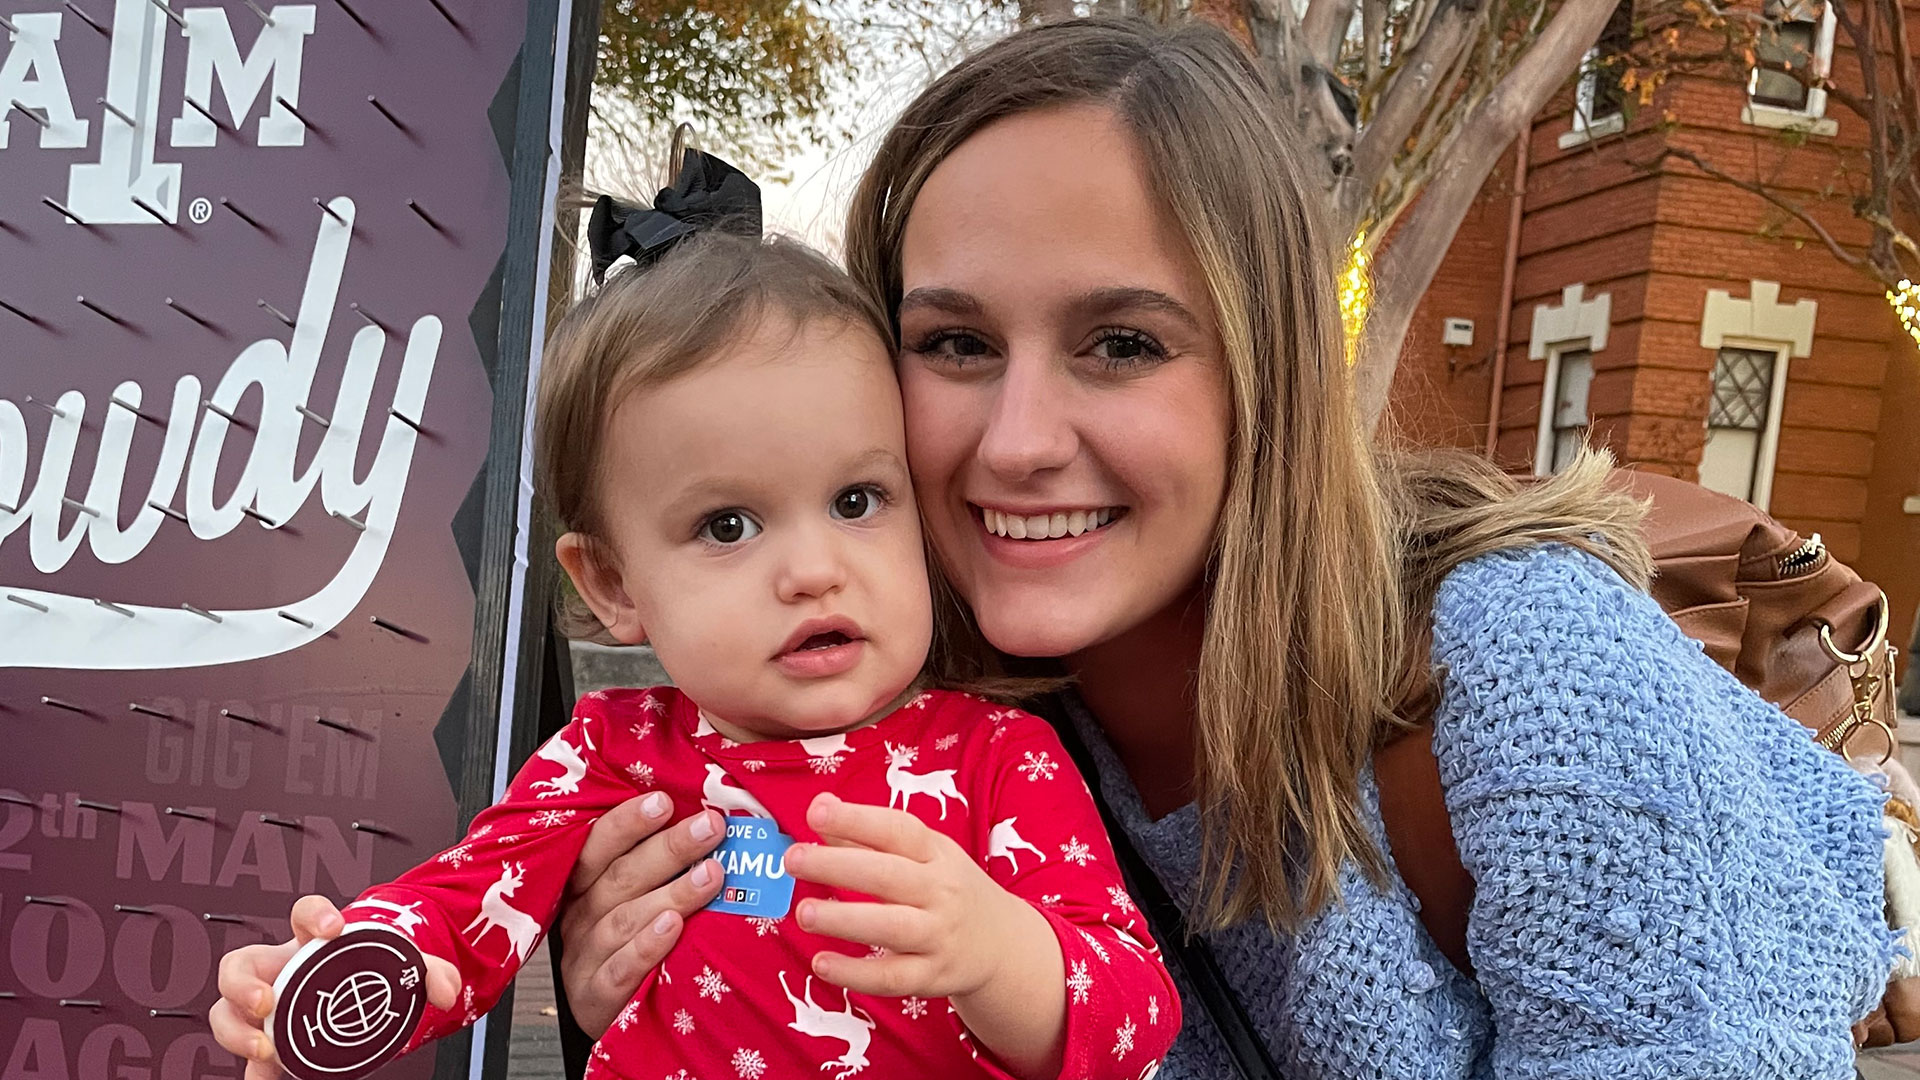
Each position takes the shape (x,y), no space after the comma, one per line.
(761,534)
(1066,396)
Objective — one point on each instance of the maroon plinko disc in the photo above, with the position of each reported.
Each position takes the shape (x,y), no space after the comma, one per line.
(345,1007)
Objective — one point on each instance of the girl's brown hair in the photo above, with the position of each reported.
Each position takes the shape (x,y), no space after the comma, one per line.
(1328,554)
(646,326)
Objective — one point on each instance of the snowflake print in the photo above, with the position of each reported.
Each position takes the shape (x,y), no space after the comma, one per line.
(506,840)
(753,766)
(481,831)
(628,1015)
(726,743)
(547,819)
(1099,950)
(1076,852)
(914,1007)
(825,763)
(946,742)
(681,1075)
(919,701)
(456,857)
(1051,899)
(749,1064)
(595,695)
(1121,901)
(1123,1039)
(878,952)
(1040,766)
(642,773)
(1153,1010)
(654,705)
(1000,716)
(683,1022)
(763,927)
(466,997)
(642,729)
(1079,982)
(711,984)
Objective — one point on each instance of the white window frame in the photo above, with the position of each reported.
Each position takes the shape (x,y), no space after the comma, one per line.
(1776,398)
(1543,437)
(1813,119)
(1583,94)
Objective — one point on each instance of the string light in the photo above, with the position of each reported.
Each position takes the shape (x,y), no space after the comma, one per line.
(1904,298)
(1356,294)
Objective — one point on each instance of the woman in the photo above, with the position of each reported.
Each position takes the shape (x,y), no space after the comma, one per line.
(1113,294)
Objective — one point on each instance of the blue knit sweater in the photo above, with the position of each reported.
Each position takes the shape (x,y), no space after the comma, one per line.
(1673,880)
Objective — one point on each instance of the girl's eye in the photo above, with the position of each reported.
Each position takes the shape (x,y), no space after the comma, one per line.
(729,527)
(1124,349)
(857,503)
(952,346)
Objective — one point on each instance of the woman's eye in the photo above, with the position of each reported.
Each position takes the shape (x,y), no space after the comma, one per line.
(952,345)
(729,527)
(856,503)
(1122,349)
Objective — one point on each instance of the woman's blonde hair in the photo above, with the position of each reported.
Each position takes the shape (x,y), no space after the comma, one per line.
(644,327)
(1328,554)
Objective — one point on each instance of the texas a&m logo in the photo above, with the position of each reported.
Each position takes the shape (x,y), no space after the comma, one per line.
(129,185)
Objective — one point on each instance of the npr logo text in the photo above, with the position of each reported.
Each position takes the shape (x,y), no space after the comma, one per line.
(103,192)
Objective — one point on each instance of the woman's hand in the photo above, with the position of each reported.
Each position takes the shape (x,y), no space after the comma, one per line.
(246,986)
(624,905)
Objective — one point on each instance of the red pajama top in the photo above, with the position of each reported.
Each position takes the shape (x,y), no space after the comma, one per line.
(734,999)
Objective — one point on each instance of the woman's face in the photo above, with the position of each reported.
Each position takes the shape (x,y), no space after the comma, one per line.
(1066,397)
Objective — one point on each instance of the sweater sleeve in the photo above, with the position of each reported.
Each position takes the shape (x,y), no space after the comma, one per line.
(484,903)
(1048,847)
(1672,880)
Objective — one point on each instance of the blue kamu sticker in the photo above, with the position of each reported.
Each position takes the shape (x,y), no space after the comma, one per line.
(756,883)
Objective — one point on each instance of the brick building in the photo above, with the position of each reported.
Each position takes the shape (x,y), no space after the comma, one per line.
(1681,322)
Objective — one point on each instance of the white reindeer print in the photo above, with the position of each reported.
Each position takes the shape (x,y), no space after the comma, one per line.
(405,918)
(520,928)
(903,786)
(854,1030)
(717,795)
(572,766)
(1003,841)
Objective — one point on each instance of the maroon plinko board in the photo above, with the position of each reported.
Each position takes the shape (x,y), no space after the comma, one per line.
(266,282)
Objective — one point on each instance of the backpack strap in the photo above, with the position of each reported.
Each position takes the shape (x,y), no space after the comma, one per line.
(1413,810)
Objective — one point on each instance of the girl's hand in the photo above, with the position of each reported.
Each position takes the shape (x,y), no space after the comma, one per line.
(627,900)
(246,986)
(945,925)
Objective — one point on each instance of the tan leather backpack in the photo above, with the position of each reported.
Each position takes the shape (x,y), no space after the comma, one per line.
(1776,610)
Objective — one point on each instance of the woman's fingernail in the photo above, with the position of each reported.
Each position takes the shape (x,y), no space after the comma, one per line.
(259,1003)
(804,915)
(703,874)
(664,924)
(702,827)
(655,805)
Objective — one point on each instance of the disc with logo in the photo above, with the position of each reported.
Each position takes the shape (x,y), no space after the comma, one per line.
(345,1007)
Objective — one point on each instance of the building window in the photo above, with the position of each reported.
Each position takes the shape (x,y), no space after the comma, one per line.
(1797,35)
(1563,424)
(1599,102)
(1743,422)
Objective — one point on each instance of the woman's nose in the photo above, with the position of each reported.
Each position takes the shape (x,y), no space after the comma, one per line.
(1028,430)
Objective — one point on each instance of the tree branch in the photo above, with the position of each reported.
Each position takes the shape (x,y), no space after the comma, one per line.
(1848,258)
(1413,92)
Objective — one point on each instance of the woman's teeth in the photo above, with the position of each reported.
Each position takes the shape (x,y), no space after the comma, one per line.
(1046,526)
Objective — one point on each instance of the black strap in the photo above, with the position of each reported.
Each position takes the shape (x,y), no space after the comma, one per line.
(1186,954)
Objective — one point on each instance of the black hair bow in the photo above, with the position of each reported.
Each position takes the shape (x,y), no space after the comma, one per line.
(709,194)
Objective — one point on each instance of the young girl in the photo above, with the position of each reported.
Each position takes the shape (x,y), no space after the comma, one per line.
(721,432)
